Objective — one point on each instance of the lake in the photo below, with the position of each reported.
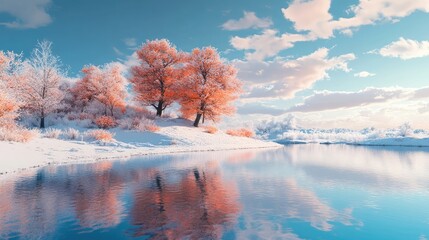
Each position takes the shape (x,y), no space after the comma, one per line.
(295,192)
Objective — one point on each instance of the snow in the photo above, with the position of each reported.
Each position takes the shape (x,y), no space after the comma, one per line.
(286,132)
(174,136)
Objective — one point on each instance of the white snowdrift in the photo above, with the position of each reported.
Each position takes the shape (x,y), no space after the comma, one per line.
(175,136)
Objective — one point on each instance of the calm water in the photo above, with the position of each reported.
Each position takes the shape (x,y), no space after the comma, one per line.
(297,192)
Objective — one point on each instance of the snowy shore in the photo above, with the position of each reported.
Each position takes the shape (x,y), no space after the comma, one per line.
(392,142)
(285,132)
(174,136)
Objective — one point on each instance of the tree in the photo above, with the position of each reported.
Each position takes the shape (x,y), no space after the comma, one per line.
(209,86)
(105,85)
(8,109)
(11,67)
(40,89)
(155,80)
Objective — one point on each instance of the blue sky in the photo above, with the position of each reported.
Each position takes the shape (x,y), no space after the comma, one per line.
(330,63)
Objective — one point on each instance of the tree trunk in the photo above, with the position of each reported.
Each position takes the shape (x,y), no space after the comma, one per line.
(197,119)
(42,118)
(159,111)
(159,108)
(42,122)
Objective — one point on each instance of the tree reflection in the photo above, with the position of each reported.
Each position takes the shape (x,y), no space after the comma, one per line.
(197,206)
(96,198)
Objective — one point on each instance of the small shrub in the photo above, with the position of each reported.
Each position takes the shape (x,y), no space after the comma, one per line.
(129,123)
(71,134)
(105,122)
(152,128)
(242,132)
(52,133)
(139,124)
(147,125)
(100,135)
(18,134)
(210,129)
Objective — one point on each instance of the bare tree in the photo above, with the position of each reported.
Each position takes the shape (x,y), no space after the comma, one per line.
(41,86)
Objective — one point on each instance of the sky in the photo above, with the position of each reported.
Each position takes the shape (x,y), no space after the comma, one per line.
(329,63)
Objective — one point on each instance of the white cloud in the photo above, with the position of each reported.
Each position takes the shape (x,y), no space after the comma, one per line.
(310,16)
(327,100)
(313,15)
(284,78)
(259,108)
(27,13)
(130,42)
(364,74)
(312,20)
(405,49)
(117,51)
(267,44)
(421,93)
(249,20)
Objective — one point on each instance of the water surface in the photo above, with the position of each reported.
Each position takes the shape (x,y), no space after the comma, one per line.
(296,192)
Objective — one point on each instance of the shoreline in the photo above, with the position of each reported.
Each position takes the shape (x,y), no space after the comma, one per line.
(125,154)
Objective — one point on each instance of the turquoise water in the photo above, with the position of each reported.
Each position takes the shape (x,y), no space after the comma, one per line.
(295,192)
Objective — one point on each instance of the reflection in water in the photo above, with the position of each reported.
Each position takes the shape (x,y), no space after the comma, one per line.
(199,205)
(96,198)
(297,192)
(305,205)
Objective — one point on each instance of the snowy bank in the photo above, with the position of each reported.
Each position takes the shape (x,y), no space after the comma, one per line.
(174,136)
(286,132)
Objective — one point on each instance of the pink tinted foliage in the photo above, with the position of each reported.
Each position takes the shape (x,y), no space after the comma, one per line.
(156,79)
(241,132)
(210,129)
(209,86)
(106,85)
(105,122)
(100,135)
(40,88)
(10,78)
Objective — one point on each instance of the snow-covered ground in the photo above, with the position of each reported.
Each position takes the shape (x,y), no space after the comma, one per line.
(175,135)
(286,132)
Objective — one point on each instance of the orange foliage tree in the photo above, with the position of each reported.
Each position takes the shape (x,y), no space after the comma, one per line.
(209,86)
(10,74)
(155,79)
(8,110)
(103,84)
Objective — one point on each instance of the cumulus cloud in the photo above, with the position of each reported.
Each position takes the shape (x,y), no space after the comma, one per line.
(327,100)
(313,15)
(310,16)
(421,93)
(364,74)
(405,49)
(312,20)
(284,78)
(27,13)
(249,20)
(267,44)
